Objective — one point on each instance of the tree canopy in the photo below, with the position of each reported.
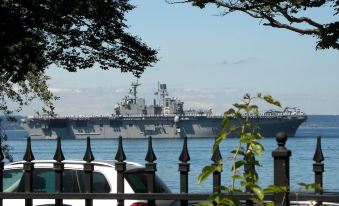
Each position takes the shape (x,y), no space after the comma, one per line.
(70,34)
(285,14)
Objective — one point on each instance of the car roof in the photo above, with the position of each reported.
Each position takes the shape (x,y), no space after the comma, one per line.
(107,163)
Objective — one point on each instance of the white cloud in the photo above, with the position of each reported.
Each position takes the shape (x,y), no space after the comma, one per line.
(58,90)
(91,101)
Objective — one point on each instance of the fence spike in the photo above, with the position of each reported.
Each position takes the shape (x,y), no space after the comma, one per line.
(216,157)
(281,138)
(88,156)
(120,156)
(150,156)
(184,156)
(1,153)
(318,155)
(28,157)
(58,156)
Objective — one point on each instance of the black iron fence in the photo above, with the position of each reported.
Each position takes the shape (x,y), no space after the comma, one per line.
(281,157)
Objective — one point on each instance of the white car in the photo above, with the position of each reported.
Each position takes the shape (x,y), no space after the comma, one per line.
(104,181)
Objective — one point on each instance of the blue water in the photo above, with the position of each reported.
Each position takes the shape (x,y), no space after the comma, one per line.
(168,151)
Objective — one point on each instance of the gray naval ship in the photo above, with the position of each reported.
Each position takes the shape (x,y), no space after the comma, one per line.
(165,118)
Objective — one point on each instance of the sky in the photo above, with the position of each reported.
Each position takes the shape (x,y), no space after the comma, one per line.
(209,61)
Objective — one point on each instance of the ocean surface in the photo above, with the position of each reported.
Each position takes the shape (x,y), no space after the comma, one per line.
(168,150)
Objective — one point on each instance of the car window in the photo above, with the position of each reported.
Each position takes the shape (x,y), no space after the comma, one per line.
(44,181)
(100,183)
(138,182)
(11,180)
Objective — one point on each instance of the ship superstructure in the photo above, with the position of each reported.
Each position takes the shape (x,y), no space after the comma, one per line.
(165,118)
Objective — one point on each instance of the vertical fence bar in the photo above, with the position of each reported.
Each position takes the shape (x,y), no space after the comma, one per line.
(151,167)
(318,168)
(88,169)
(1,170)
(216,158)
(58,167)
(28,171)
(248,168)
(184,168)
(120,167)
(281,157)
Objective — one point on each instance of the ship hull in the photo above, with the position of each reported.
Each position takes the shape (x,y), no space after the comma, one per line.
(155,126)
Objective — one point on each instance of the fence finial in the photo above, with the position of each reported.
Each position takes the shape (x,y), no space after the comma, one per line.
(318,155)
(216,157)
(184,156)
(28,157)
(120,156)
(58,156)
(281,138)
(88,157)
(150,156)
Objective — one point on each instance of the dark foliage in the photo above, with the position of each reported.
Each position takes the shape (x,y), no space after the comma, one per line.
(71,34)
(5,148)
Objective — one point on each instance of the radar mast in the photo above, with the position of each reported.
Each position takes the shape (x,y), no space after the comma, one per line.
(162,93)
(133,90)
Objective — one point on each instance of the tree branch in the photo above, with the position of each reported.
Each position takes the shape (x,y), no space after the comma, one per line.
(284,12)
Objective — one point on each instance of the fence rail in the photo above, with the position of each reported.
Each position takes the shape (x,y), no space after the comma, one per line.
(280,155)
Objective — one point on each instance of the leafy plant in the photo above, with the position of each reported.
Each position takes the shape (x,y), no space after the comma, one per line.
(6,148)
(311,186)
(238,122)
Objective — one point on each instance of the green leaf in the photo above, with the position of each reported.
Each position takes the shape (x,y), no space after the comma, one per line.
(226,121)
(240,106)
(257,148)
(251,176)
(232,128)
(269,99)
(257,163)
(225,188)
(268,203)
(204,204)
(275,189)
(259,192)
(238,164)
(237,190)
(215,198)
(228,202)
(219,168)
(222,136)
(253,108)
(311,186)
(230,112)
(246,138)
(240,152)
(256,135)
(238,116)
(243,183)
(206,172)
(238,177)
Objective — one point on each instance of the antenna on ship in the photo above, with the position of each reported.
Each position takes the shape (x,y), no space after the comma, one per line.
(134,90)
